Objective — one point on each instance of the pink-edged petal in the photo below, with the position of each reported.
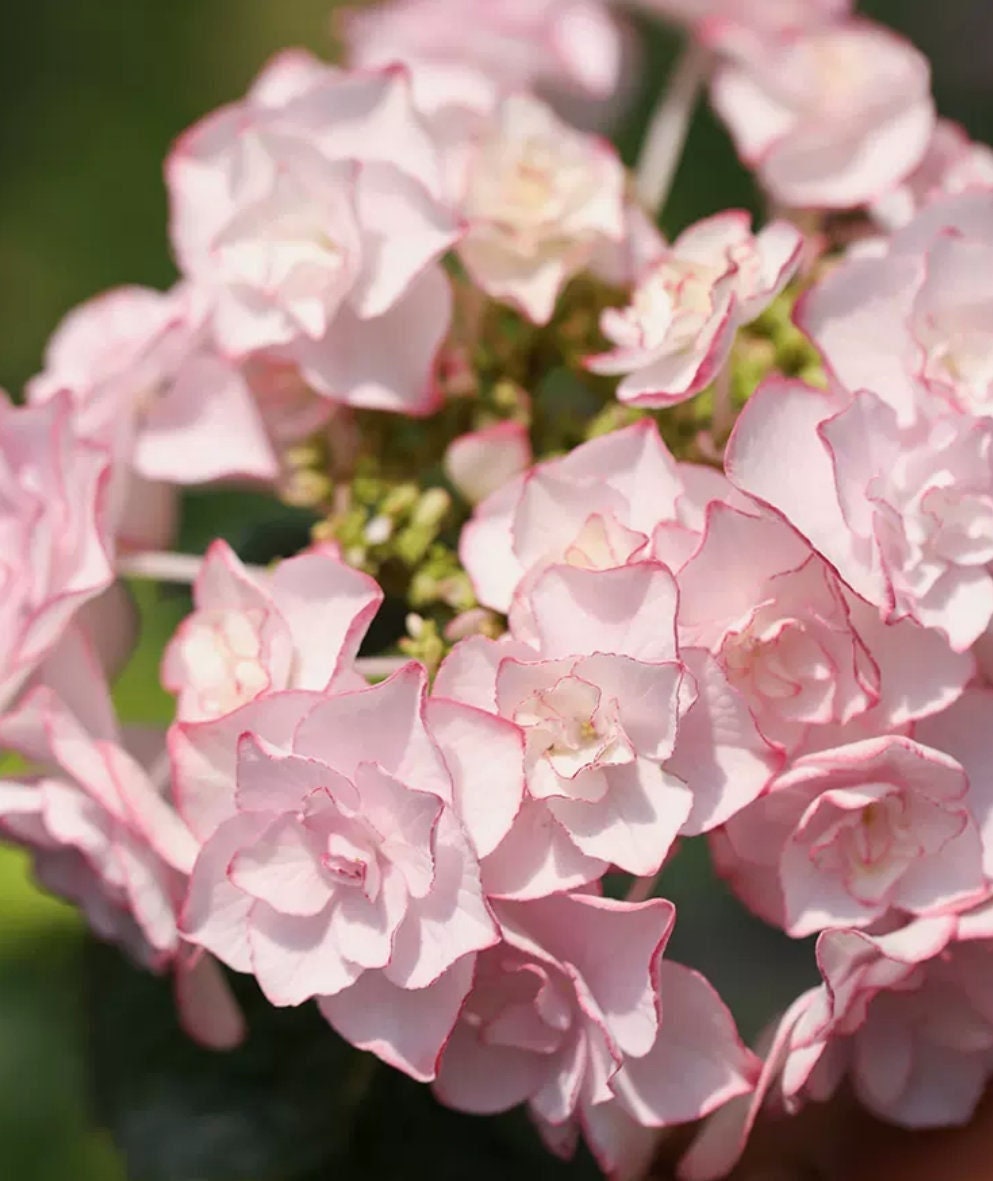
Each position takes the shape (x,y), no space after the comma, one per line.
(73,671)
(778,455)
(469,672)
(407,1028)
(295,959)
(628,611)
(205,755)
(215,913)
(450,922)
(403,230)
(919,674)
(858,315)
(282,867)
(271,781)
(623,1147)
(328,607)
(485,1079)
(721,1141)
(384,723)
(208,401)
(615,946)
(387,362)
(698,1062)
(637,821)
(483,461)
(720,754)
(537,858)
(485,756)
(486,548)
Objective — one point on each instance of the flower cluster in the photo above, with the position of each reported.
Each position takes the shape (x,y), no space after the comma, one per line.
(645,601)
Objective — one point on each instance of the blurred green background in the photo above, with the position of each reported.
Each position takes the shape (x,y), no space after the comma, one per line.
(91,94)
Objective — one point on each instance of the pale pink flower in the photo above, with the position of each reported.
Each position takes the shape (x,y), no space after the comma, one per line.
(539,199)
(676,335)
(103,834)
(878,829)
(598,704)
(915,325)
(601,697)
(904,1015)
(57,542)
(618,498)
(953,164)
(806,654)
(830,117)
(905,515)
(309,215)
(481,462)
(557,1005)
(299,627)
(334,864)
(147,384)
(100,832)
(565,1015)
(513,43)
(696,1066)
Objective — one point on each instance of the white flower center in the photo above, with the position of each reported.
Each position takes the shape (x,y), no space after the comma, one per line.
(222,653)
(964,360)
(669,308)
(349,864)
(573,728)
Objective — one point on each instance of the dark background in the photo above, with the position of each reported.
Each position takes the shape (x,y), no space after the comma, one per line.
(92,92)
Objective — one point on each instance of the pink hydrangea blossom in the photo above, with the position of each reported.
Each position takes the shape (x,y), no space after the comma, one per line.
(905,515)
(849,836)
(676,335)
(58,545)
(830,117)
(514,43)
(551,1018)
(147,384)
(697,1065)
(616,499)
(620,754)
(539,200)
(806,654)
(915,325)
(296,628)
(598,704)
(334,864)
(904,1015)
(100,831)
(481,462)
(565,1015)
(309,214)
(103,834)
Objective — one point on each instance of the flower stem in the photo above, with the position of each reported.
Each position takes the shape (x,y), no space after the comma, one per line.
(167,567)
(722,418)
(160,567)
(666,136)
